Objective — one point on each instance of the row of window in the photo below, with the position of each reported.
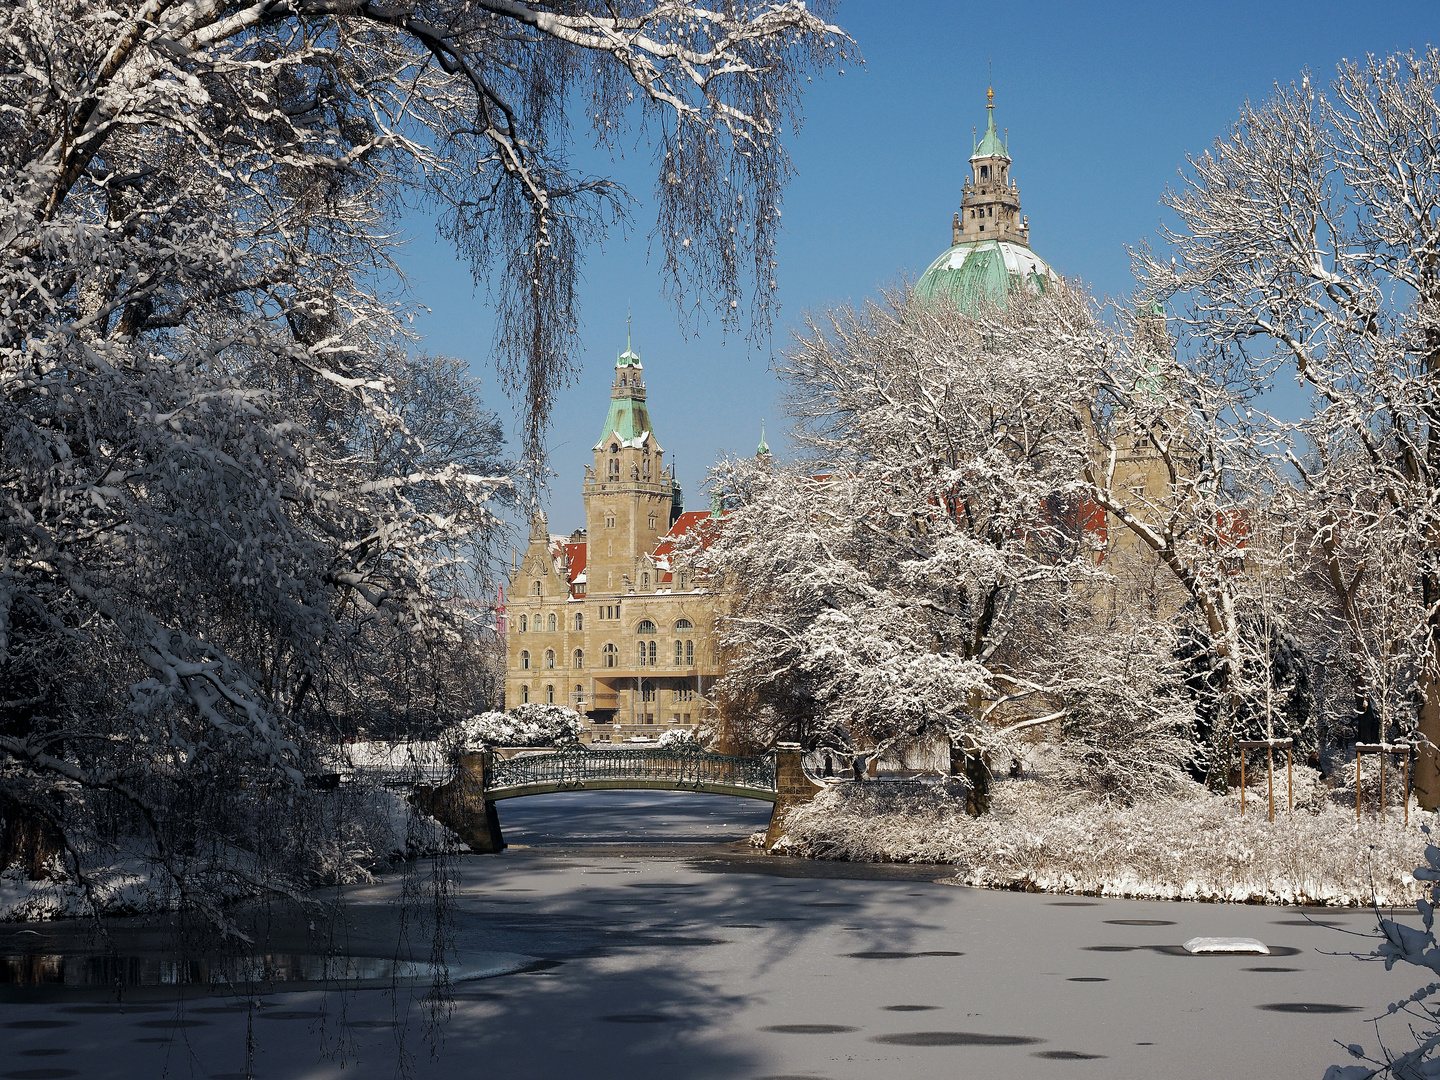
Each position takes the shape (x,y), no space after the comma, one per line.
(552,622)
(579,698)
(644,577)
(550,694)
(637,472)
(647,654)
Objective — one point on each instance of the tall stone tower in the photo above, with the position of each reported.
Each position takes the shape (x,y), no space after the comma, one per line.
(629,494)
(990,201)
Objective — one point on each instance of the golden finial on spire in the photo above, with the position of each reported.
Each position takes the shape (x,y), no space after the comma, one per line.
(990,98)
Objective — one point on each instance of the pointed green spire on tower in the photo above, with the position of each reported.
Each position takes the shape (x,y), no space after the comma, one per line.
(762,450)
(629,356)
(990,145)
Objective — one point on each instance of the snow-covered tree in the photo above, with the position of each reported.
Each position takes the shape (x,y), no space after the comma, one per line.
(1181,487)
(1306,243)
(231,512)
(470,104)
(929,569)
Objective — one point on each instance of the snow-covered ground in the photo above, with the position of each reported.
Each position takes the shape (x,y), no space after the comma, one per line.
(1194,847)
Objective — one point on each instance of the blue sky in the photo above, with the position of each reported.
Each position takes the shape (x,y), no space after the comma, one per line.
(1102,101)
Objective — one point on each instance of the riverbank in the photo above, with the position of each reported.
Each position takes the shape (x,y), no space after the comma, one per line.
(1039,838)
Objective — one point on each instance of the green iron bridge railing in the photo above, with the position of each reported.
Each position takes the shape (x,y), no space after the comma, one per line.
(586,770)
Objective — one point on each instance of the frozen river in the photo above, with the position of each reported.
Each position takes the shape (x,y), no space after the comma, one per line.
(653,950)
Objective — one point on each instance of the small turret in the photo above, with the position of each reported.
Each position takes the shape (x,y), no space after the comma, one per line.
(763,450)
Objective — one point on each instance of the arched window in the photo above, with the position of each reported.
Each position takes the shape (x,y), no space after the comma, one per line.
(641,658)
(523,624)
(679,653)
(645,627)
(536,589)
(579,694)
(614,468)
(549,658)
(682,580)
(552,622)
(645,580)
(684,624)
(652,654)
(579,621)
(524,695)
(579,658)
(689,654)
(525,660)
(610,653)
(550,695)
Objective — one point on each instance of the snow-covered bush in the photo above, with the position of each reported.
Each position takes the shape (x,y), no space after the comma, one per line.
(1127,728)
(1043,836)
(676,739)
(534,724)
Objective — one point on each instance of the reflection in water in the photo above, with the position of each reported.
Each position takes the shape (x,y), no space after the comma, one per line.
(37,969)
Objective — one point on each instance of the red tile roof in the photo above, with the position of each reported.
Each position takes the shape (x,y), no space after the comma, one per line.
(575,552)
(693,520)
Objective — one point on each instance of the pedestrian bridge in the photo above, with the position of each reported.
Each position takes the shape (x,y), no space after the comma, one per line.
(466,803)
(638,769)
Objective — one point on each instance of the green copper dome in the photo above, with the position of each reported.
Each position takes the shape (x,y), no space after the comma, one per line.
(983,271)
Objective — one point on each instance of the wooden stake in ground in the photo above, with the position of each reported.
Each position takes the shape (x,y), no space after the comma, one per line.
(1270,779)
(1382,787)
(1269,746)
(1382,748)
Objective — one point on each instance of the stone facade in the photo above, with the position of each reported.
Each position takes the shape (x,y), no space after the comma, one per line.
(612,620)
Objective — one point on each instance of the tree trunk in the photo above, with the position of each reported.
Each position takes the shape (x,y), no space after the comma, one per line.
(29,839)
(1427,761)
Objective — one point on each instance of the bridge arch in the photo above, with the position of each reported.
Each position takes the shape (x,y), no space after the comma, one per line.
(467,804)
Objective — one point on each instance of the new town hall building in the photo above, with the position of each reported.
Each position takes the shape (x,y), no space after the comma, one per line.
(611,620)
